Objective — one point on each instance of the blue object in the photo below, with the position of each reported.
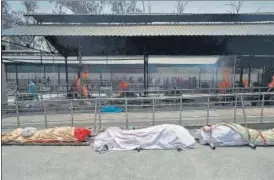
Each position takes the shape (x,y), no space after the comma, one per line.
(32,90)
(112,109)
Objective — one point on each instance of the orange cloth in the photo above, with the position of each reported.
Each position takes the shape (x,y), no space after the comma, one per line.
(85,75)
(123,86)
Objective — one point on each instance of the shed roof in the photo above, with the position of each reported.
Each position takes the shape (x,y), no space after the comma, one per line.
(220,29)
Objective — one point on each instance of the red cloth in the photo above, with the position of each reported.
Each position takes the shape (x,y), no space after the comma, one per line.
(81,134)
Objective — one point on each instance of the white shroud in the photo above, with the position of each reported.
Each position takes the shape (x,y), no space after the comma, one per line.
(164,136)
(231,134)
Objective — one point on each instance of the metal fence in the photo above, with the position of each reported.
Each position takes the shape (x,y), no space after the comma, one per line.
(193,110)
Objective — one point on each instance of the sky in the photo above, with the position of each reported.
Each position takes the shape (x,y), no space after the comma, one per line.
(169,6)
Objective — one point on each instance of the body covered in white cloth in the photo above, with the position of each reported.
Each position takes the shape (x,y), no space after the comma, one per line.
(231,134)
(166,136)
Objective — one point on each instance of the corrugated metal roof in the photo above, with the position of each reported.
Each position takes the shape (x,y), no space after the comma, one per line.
(224,29)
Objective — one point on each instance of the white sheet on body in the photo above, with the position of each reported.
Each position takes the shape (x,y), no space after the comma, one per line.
(166,136)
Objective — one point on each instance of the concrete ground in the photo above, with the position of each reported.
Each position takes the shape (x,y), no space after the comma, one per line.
(81,163)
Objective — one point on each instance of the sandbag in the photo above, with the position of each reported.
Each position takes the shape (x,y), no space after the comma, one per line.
(50,135)
(164,136)
(231,134)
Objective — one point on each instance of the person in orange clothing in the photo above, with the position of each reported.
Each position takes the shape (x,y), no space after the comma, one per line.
(246,85)
(271,84)
(123,86)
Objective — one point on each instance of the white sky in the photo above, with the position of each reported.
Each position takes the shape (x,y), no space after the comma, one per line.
(169,6)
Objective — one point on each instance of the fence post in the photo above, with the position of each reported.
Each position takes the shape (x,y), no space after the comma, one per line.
(126,113)
(181,107)
(100,120)
(17,113)
(262,109)
(235,108)
(58,100)
(45,111)
(95,118)
(71,113)
(153,112)
(207,110)
(243,108)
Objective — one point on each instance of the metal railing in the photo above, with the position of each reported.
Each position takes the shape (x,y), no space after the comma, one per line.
(163,91)
(142,111)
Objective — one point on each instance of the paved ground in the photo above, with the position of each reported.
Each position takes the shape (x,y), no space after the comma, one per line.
(81,163)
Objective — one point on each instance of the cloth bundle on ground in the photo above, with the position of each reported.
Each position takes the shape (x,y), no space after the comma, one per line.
(51,135)
(112,109)
(231,134)
(164,136)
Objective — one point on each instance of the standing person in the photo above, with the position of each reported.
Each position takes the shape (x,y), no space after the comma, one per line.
(44,81)
(48,81)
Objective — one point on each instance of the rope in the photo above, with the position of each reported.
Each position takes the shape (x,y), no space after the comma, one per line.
(231,126)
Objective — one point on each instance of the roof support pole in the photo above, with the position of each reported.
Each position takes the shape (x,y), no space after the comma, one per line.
(4,94)
(217,75)
(80,70)
(66,70)
(44,70)
(145,73)
(199,81)
(234,72)
(213,78)
(58,70)
(6,72)
(16,76)
(241,74)
(249,75)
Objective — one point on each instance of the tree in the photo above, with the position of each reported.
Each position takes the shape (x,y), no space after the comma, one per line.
(9,17)
(180,6)
(58,9)
(83,7)
(235,6)
(124,7)
(149,7)
(15,18)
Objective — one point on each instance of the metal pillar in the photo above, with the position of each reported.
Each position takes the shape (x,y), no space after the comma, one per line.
(217,76)
(6,72)
(241,74)
(58,70)
(145,73)
(44,70)
(200,72)
(80,69)
(249,75)
(66,70)
(234,71)
(213,79)
(16,75)
(4,87)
